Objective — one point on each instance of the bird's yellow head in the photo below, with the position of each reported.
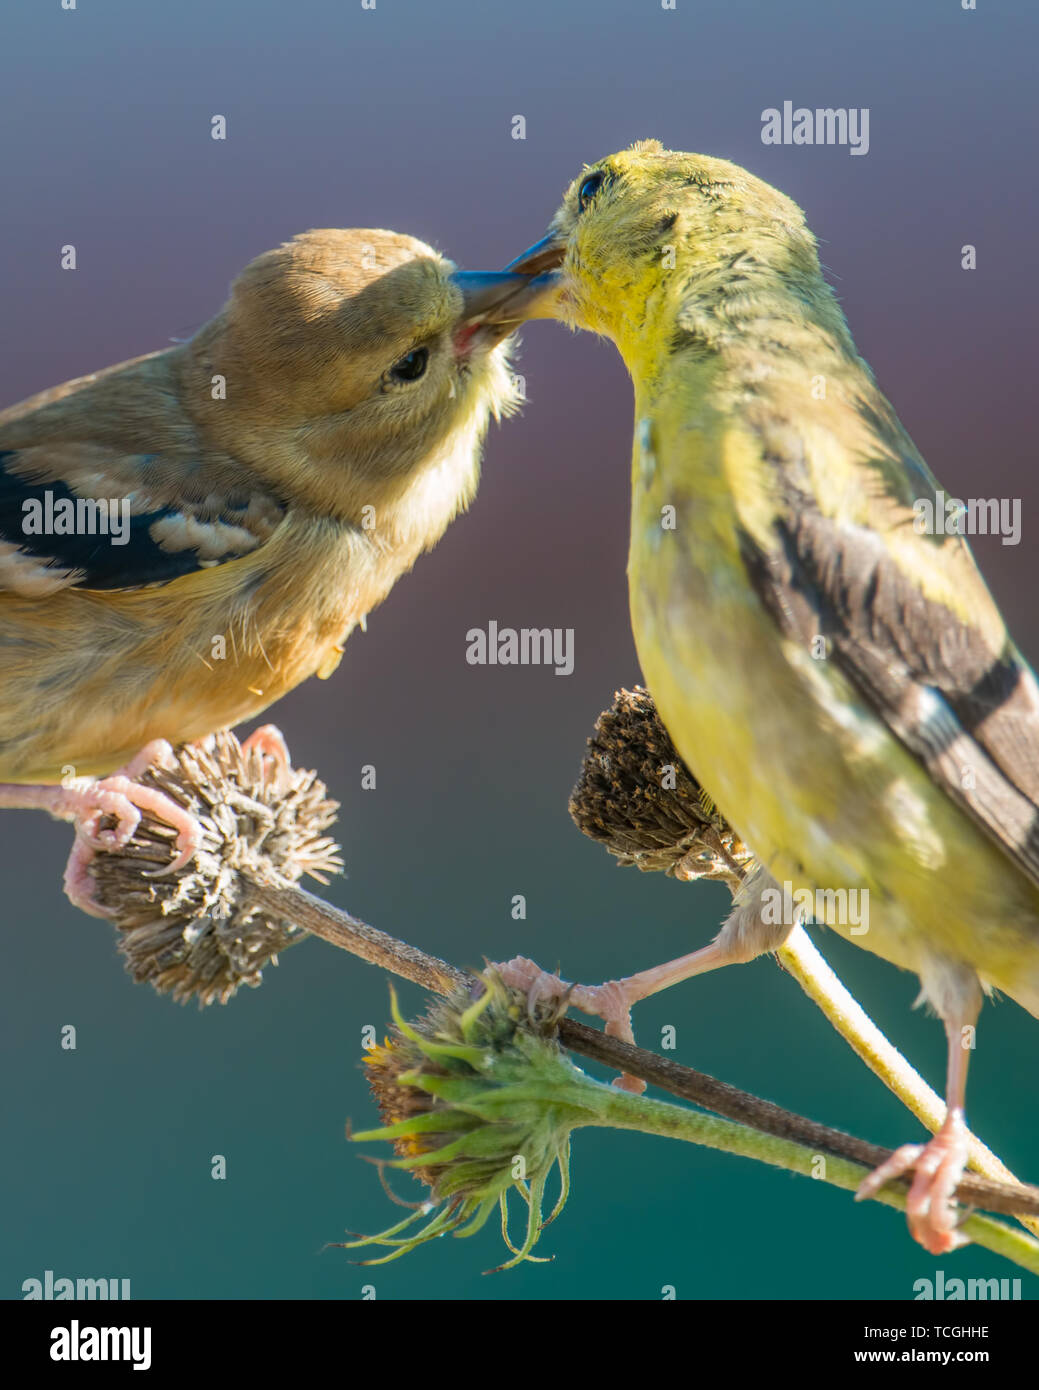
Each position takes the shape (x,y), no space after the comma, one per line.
(630,218)
(368,344)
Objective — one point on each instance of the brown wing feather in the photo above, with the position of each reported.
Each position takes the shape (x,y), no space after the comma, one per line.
(969,714)
(119,438)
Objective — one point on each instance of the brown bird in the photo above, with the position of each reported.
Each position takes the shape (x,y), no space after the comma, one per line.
(186,536)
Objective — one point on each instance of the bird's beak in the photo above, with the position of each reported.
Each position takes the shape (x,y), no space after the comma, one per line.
(498,301)
(545,255)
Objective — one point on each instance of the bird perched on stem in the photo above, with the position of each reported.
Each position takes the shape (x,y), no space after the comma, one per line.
(186,536)
(836,675)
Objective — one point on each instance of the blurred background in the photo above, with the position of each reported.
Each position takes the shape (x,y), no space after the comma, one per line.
(401,116)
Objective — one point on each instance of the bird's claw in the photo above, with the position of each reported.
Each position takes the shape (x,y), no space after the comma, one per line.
(268,742)
(609,1001)
(527,976)
(87,803)
(931,1211)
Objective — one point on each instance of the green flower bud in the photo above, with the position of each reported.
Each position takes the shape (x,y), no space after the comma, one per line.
(479,1099)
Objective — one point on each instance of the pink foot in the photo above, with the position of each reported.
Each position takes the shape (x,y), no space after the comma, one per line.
(930,1208)
(79,881)
(86,802)
(158,753)
(527,976)
(609,1001)
(269,742)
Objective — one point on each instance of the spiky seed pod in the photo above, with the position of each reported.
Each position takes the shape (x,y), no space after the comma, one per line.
(478,1098)
(637,797)
(199,933)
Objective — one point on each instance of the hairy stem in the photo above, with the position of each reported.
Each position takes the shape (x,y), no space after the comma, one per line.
(649,1116)
(379,948)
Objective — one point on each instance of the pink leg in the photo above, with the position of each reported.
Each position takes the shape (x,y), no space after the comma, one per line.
(86,802)
(613,1000)
(748,932)
(930,1208)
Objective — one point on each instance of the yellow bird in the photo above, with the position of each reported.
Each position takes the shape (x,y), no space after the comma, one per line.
(829,663)
(186,536)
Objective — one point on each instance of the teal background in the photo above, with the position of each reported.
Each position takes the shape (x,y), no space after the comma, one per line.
(401,117)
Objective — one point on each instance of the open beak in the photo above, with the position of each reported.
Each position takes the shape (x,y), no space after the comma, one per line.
(496,302)
(545,255)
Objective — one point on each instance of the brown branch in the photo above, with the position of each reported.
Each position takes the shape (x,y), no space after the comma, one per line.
(379,948)
(212,926)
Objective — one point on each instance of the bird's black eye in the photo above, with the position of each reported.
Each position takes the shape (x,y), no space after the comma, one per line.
(411,366)
(589,189)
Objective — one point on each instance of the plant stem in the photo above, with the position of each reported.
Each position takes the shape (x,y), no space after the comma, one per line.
(379,948)
(623,1111)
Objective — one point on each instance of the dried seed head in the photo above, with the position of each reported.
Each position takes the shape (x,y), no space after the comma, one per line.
(637,797)
(199,933)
